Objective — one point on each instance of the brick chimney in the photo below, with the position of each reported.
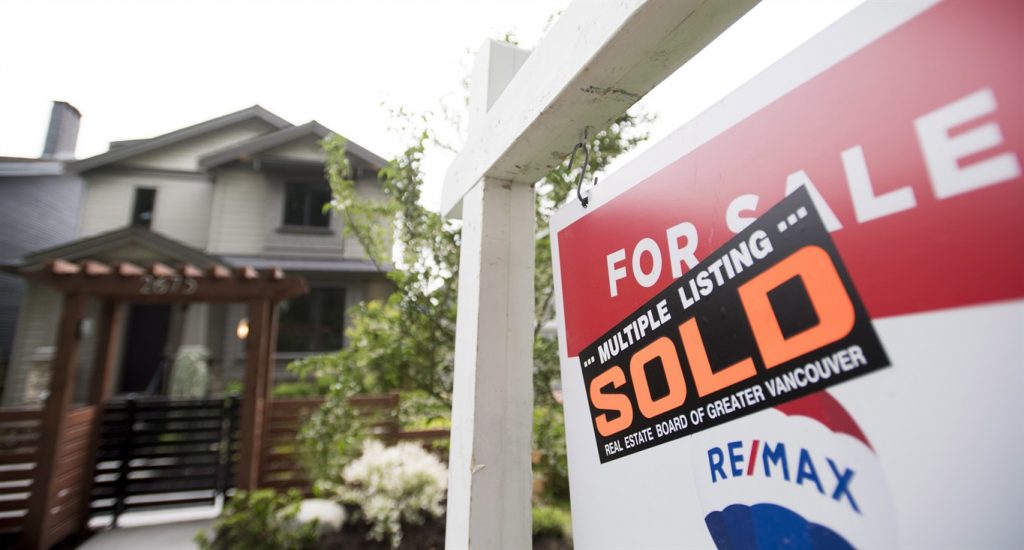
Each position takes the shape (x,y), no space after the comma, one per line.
(62,136)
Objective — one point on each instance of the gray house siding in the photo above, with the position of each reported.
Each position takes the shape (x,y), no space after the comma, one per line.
(35,212)
(11,290)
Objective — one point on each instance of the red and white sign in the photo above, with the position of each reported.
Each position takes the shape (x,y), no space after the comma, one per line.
(911,145)
(905,123)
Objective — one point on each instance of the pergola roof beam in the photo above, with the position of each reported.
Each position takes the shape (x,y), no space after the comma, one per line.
(162,284)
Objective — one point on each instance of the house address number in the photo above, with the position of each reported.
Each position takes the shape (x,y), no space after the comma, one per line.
(168,285)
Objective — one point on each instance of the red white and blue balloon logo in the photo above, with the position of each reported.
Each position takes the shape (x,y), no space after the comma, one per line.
(801,475)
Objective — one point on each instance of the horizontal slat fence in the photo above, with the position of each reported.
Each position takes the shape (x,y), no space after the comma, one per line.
(281,466)
(19,440)
(158,452)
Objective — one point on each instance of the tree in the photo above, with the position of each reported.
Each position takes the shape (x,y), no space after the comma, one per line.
(407,342)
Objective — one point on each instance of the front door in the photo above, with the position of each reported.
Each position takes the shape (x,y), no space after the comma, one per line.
(142,366)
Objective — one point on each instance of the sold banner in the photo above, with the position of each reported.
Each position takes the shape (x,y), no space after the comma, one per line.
(770,316)
(799,320)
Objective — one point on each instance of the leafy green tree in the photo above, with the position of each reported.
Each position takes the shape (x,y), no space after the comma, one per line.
(407,342)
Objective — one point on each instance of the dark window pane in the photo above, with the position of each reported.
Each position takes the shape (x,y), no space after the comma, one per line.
(314,322)
(332,322)
(294,324)
(142,213)
(318,197)
(295,204)
(304,204)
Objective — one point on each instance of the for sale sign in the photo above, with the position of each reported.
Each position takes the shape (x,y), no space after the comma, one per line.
(799,320)
(769,317)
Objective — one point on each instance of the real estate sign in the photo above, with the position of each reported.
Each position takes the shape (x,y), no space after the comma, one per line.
(800,318)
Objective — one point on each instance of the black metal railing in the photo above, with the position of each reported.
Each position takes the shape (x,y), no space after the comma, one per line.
(160,452)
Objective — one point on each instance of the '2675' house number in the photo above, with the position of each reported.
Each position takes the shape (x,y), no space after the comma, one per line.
(175,284)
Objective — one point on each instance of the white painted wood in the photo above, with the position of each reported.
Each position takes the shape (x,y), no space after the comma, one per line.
(528,111)
(597,61)
(496,65)
(490,479)
(489,463)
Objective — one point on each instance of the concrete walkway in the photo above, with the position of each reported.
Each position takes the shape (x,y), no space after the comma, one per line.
(163,537)
(166,536)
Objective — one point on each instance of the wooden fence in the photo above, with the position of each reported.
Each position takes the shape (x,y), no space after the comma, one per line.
(281,461)
(72,469)
(19,440)
(19,456)
(157,453)
(281,466)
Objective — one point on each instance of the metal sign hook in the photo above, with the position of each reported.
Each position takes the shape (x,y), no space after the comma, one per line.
(582,144)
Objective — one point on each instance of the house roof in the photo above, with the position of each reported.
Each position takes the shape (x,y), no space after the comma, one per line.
(113,240)
(346,265)
(17,166)
(132,148)
(259,144)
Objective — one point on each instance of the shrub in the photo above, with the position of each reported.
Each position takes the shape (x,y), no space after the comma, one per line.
(260,520)
(419,410)
(392,485)
(291,390)
(551,521)
(190,375)
(551,465)
(332,437)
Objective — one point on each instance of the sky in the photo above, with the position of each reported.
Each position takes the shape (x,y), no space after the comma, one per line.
(138,69)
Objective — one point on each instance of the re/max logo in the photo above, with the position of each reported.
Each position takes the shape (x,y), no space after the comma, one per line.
(798,467)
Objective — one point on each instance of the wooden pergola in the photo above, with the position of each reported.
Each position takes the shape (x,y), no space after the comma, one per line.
(124,283)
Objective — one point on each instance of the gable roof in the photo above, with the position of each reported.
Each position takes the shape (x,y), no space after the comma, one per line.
(269,141)
(119,238)
(131,148)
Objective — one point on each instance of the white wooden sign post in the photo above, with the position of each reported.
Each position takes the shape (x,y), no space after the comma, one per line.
(528,112)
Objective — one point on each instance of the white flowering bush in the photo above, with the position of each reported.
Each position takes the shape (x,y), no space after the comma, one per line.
(391,485)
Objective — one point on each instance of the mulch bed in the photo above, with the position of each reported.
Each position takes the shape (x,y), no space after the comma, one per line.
(429,536)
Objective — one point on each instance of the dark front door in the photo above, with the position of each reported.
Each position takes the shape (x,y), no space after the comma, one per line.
(144,348)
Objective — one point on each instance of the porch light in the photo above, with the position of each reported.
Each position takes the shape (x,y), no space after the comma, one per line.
(242,330)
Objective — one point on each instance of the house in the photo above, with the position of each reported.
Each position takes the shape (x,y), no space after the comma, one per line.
(243,189)
(38,209)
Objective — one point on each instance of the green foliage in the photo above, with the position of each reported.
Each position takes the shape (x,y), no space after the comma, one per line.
(233,387)
(190,375)
(332,437)
(419,410)
(552,521)
(406,342)
(293,390)
(260,520)
(551,465)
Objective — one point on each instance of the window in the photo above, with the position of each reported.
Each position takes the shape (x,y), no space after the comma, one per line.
(314,322)
(304,204)
(142,212)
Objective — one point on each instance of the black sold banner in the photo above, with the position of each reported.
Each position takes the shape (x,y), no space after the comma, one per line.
(770,316)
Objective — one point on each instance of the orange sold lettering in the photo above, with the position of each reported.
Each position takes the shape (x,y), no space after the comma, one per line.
(705,379)
(828,296)
(611,402)
(663,349)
